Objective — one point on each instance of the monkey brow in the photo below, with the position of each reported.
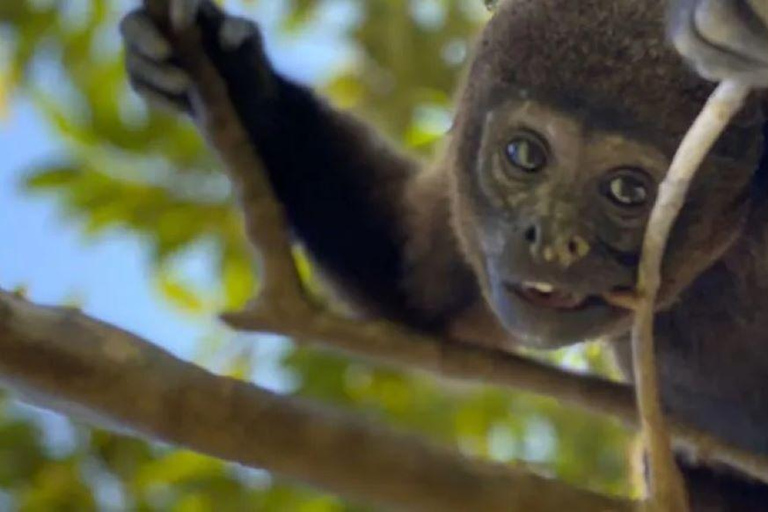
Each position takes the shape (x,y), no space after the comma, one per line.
(597,115)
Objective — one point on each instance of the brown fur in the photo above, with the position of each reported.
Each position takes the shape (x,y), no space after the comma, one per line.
(408,245)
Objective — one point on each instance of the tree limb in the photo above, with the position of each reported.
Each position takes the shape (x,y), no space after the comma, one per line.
(396,347)
(84,367)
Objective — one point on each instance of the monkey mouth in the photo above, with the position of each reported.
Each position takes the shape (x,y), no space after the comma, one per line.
(548,315)
(548,296)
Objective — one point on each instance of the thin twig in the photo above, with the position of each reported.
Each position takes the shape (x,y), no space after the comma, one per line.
(666,485)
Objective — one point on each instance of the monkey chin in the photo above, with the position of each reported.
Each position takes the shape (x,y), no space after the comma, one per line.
(556,318)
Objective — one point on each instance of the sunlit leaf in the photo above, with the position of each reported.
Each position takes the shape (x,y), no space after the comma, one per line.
(5,90)
(300,12)
(21,453)
(55,176)
(346,90)
(178,294)
(238,279)
(176,467)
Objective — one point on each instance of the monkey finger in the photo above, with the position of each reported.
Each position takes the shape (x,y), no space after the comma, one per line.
(760,8)
(183,13)
(161,76)
(235,31)
(732,28)
(140,34)
(711,62)
(161,99)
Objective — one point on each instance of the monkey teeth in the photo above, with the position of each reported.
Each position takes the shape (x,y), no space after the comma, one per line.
(546,295)
(545,288)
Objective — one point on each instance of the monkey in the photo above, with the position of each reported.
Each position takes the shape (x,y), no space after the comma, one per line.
(532,217)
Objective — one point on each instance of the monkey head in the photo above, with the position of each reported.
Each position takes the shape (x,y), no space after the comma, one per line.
(568,121)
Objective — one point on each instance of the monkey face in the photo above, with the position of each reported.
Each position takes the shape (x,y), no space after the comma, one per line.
(553,221)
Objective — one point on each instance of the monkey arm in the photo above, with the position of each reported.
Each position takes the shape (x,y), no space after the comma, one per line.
(377,225)
(347,194)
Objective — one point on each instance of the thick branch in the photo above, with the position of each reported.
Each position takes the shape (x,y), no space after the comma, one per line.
(86,367)
(388,344)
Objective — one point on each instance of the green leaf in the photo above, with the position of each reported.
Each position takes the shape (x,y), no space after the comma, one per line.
(53,177)
(175,468)
(178,294)
(238,278)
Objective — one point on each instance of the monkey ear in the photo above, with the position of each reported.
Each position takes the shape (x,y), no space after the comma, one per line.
(491,4)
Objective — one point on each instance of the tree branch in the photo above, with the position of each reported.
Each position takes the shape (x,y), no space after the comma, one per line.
(84,367)
(396,347)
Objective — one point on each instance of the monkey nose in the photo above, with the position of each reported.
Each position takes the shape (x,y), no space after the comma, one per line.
(555,246)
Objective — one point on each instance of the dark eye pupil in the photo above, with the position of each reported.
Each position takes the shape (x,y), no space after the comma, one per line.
(526,155)
(628,191)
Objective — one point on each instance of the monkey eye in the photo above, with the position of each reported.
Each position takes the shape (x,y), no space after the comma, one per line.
(527,153)
(628,188)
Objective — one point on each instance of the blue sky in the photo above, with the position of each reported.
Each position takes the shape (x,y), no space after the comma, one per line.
(51,258)
(109,275)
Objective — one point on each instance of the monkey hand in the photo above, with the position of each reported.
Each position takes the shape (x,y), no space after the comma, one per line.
(723,39)
(155,72)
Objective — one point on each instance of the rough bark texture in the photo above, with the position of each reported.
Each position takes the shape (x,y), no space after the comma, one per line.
(62,359)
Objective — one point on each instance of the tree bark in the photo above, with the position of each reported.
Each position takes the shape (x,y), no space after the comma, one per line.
(62,359)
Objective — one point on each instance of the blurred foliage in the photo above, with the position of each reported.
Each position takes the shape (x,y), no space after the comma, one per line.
(148,175)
